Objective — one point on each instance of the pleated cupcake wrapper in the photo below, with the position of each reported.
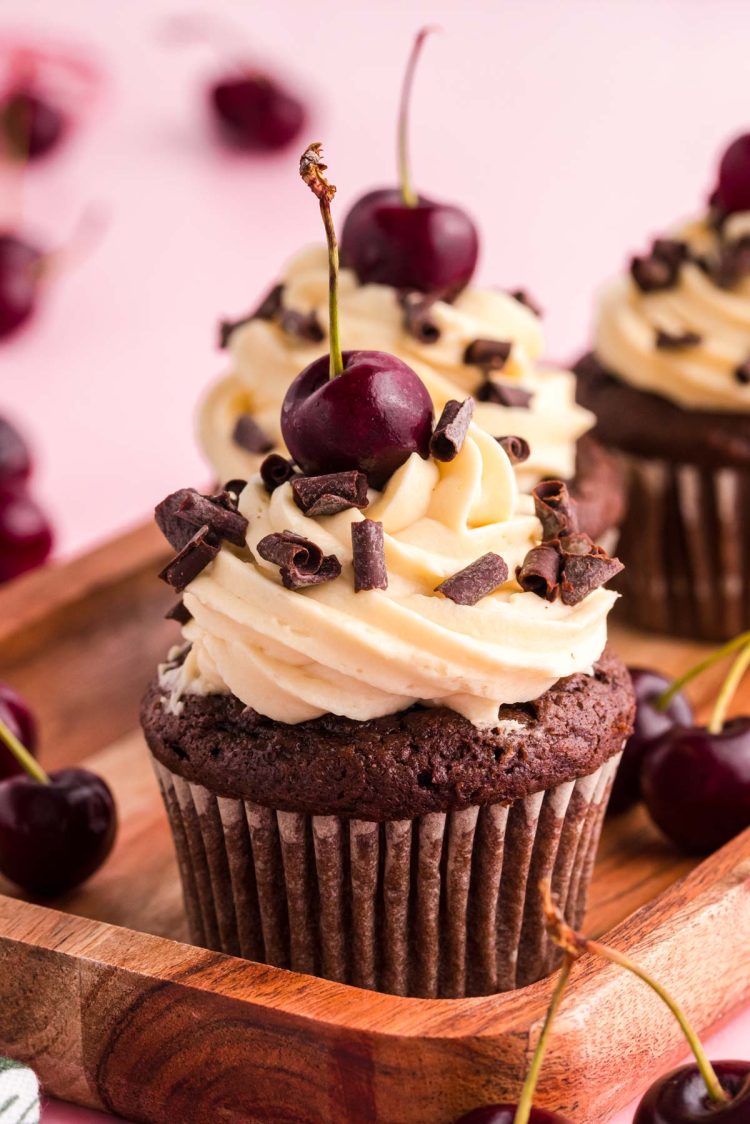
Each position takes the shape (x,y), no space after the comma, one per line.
(686,548)
(446,904)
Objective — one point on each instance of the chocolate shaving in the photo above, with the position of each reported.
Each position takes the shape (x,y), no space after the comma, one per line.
(450,432)
(195,555)
(586,566)
(673,251)
(516,448)
(528,301)
(503,395)
(661,268)
(555,509)
(236,487)
(275,471)
(742,373)
(732,263)
(175,530)
(540,571)
(301,562)
(368,556)
(178,613)
(302,325)
(250,436)
(675,341)
(476,580)
(490,355)
(329,494)
(418,319)
(269,307)
(218,513)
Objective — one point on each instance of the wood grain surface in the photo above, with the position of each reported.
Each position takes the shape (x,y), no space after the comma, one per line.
(100,996)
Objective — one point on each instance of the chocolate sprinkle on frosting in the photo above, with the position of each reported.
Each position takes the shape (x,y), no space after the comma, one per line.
(540,571)
(303,326)
(490,355)
(175,529)
(661,268)
(269,307)
(250,436)
(555,509)
(301,562)
(516,448)
(178,613)
(329,494)
(197,553)
(450,432)
(528,301)
(586,566)
(418,319)
(476,580)
(275,471)
(668,341)
(218,513)
(236,487)
(368,555)
(503,395)
(732,264)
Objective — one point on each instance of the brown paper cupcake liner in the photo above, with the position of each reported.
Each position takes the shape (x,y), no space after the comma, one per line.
(685,543)
(444,905)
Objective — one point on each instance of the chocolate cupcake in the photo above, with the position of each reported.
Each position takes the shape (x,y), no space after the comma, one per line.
(392,715)
(481,342)
(669,382)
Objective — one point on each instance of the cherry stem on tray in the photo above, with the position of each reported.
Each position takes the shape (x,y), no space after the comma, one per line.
(526,1100)
(408,194)
(311,168)
(574,944)
(28,763)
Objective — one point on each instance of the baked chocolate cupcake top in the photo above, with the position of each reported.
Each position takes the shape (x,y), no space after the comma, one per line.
(445,588)
(678,324)
(485,343)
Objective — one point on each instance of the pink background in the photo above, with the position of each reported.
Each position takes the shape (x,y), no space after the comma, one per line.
(571,131)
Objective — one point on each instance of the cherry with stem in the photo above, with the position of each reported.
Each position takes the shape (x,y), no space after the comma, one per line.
(408,194)
(311,169)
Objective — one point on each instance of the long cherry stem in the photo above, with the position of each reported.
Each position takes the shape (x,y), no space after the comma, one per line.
(28,763)
(728,690)
(311,168)
(727,649)
(526,1100)
(408,194)
(575,944)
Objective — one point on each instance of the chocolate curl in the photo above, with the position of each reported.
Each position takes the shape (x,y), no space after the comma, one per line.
(476,580)
(218,513)
(275,471)
(502,394)
(585,567)
(331,493)
(368,556)
(516,448)
(236,488)
(661,268)
(540,571)
(418,319)
(732,264)
(178,613)
(450,432)
(250,436)
(490,355)
(669,341)
(268,308)
(197,553)
(303,326)
(176,530)
(525,298)
(555,509)
(301,562)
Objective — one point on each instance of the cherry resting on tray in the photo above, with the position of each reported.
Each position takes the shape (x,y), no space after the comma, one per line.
(650,724)
(15,713)
(254,113)
(356,409)
(20,270)
(733,188)
(30,124)
(55,829)
(393,236)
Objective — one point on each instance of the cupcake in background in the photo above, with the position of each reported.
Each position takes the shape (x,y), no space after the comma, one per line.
(406,289)
(394,711)
(669,382)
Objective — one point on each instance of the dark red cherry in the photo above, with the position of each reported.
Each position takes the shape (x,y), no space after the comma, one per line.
(696,784)
(20,267)
(15,713)
(256,114)
(733,187)
(680,1097)
(506,1114)
(54,836)
(430,247)
(25,534)
(30,124)
(649,725)
(15,456)
(371,417)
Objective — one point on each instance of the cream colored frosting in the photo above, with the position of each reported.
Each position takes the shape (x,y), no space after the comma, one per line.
(265,360)
(699,377)
(295,655)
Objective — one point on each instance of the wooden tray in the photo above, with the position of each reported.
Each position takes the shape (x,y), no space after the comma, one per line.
(100,996)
